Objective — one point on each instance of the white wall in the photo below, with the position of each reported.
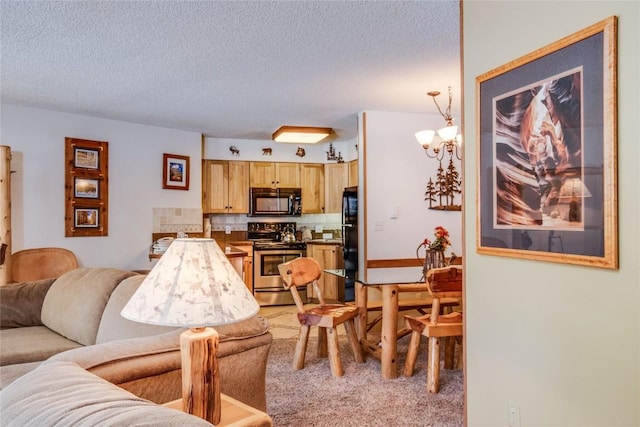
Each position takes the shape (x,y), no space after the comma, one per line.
(559,341)
(396,171)
(37,141)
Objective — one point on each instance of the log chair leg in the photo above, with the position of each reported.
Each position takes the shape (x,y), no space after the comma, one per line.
(449,352)
(433,372)
(322,342)
(350,327)
(334,352)
(460,360)
(412,353)
(301,347)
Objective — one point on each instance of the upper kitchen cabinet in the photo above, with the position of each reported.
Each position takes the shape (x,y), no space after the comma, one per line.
(225,186)
(353,173)
(312,184)
(336,179)
(275,175)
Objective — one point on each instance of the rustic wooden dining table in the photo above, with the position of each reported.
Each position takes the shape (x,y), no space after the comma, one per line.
(386,350)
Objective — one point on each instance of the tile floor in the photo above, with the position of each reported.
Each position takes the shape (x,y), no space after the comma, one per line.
(283,322)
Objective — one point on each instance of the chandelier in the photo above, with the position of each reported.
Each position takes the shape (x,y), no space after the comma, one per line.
(441,192)
(449,139)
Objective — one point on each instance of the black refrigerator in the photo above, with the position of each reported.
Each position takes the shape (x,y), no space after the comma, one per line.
(350,240)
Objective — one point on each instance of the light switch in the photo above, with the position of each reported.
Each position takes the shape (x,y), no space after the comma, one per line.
(393,214)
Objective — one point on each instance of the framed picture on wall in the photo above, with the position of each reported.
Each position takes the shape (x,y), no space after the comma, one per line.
(86,188)
(175,172)
(547,153)
(87,218)
(86,158)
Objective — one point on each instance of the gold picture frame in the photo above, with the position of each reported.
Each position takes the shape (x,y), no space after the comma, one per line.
(547,147)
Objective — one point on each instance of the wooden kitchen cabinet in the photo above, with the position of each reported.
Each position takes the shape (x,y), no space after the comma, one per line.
(247,271)
(274,175)
(329,256)
(312,184)
(336,179)
(353,173)
(225,186)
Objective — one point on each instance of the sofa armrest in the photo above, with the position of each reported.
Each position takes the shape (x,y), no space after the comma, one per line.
(62,393)
(150,367)
(128,359)
(21,303)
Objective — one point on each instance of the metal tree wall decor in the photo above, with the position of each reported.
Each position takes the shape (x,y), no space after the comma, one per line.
(445,188)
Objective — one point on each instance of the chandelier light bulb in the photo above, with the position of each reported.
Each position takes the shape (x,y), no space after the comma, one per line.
(448,133)
(425,137)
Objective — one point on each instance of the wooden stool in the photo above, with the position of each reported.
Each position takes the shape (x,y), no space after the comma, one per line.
(303,271)
(442,282)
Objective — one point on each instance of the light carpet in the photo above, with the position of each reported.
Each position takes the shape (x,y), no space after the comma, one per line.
(313,397)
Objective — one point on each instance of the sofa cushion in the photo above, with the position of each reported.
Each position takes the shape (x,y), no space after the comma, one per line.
(75,302)
(30,296)
(9,373)
(115,327)
(31,344)
(62,393)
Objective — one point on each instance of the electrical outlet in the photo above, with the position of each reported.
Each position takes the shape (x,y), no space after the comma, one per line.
(227,229)
(513,415)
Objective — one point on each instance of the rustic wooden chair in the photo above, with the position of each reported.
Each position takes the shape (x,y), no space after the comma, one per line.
(41,263)
(441,282)
(306,271)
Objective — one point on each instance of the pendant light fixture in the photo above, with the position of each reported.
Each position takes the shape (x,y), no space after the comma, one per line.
(450,140)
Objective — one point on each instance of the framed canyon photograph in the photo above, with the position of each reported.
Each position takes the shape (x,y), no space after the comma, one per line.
(547,151)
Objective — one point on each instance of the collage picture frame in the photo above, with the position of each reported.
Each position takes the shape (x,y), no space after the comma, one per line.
(86,188)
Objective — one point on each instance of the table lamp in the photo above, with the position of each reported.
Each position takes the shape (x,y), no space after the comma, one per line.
(194,285)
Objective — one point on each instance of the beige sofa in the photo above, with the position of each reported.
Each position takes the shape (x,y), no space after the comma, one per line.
(64,394)
(76,318)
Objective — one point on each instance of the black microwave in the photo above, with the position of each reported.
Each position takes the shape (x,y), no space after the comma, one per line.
(275,202)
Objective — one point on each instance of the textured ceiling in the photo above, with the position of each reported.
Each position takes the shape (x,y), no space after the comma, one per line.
(230,69)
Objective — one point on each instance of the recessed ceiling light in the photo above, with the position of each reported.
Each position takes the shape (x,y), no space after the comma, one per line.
(301,134)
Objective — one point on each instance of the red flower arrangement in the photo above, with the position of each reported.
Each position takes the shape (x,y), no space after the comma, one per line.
(441,241)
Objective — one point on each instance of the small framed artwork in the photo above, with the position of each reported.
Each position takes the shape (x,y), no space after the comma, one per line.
(86,158)
(86,188)
(547,180)
(87,218)
(175,172)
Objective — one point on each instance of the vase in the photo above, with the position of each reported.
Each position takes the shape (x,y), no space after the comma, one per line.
(433,258)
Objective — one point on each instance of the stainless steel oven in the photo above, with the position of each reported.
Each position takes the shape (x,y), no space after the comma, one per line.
(269,252)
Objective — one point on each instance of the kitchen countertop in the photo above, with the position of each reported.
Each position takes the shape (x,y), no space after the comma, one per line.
(241,243)
(232,251)
(325,242)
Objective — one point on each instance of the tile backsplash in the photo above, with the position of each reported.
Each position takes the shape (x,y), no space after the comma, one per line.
(174,220)
(319,224)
